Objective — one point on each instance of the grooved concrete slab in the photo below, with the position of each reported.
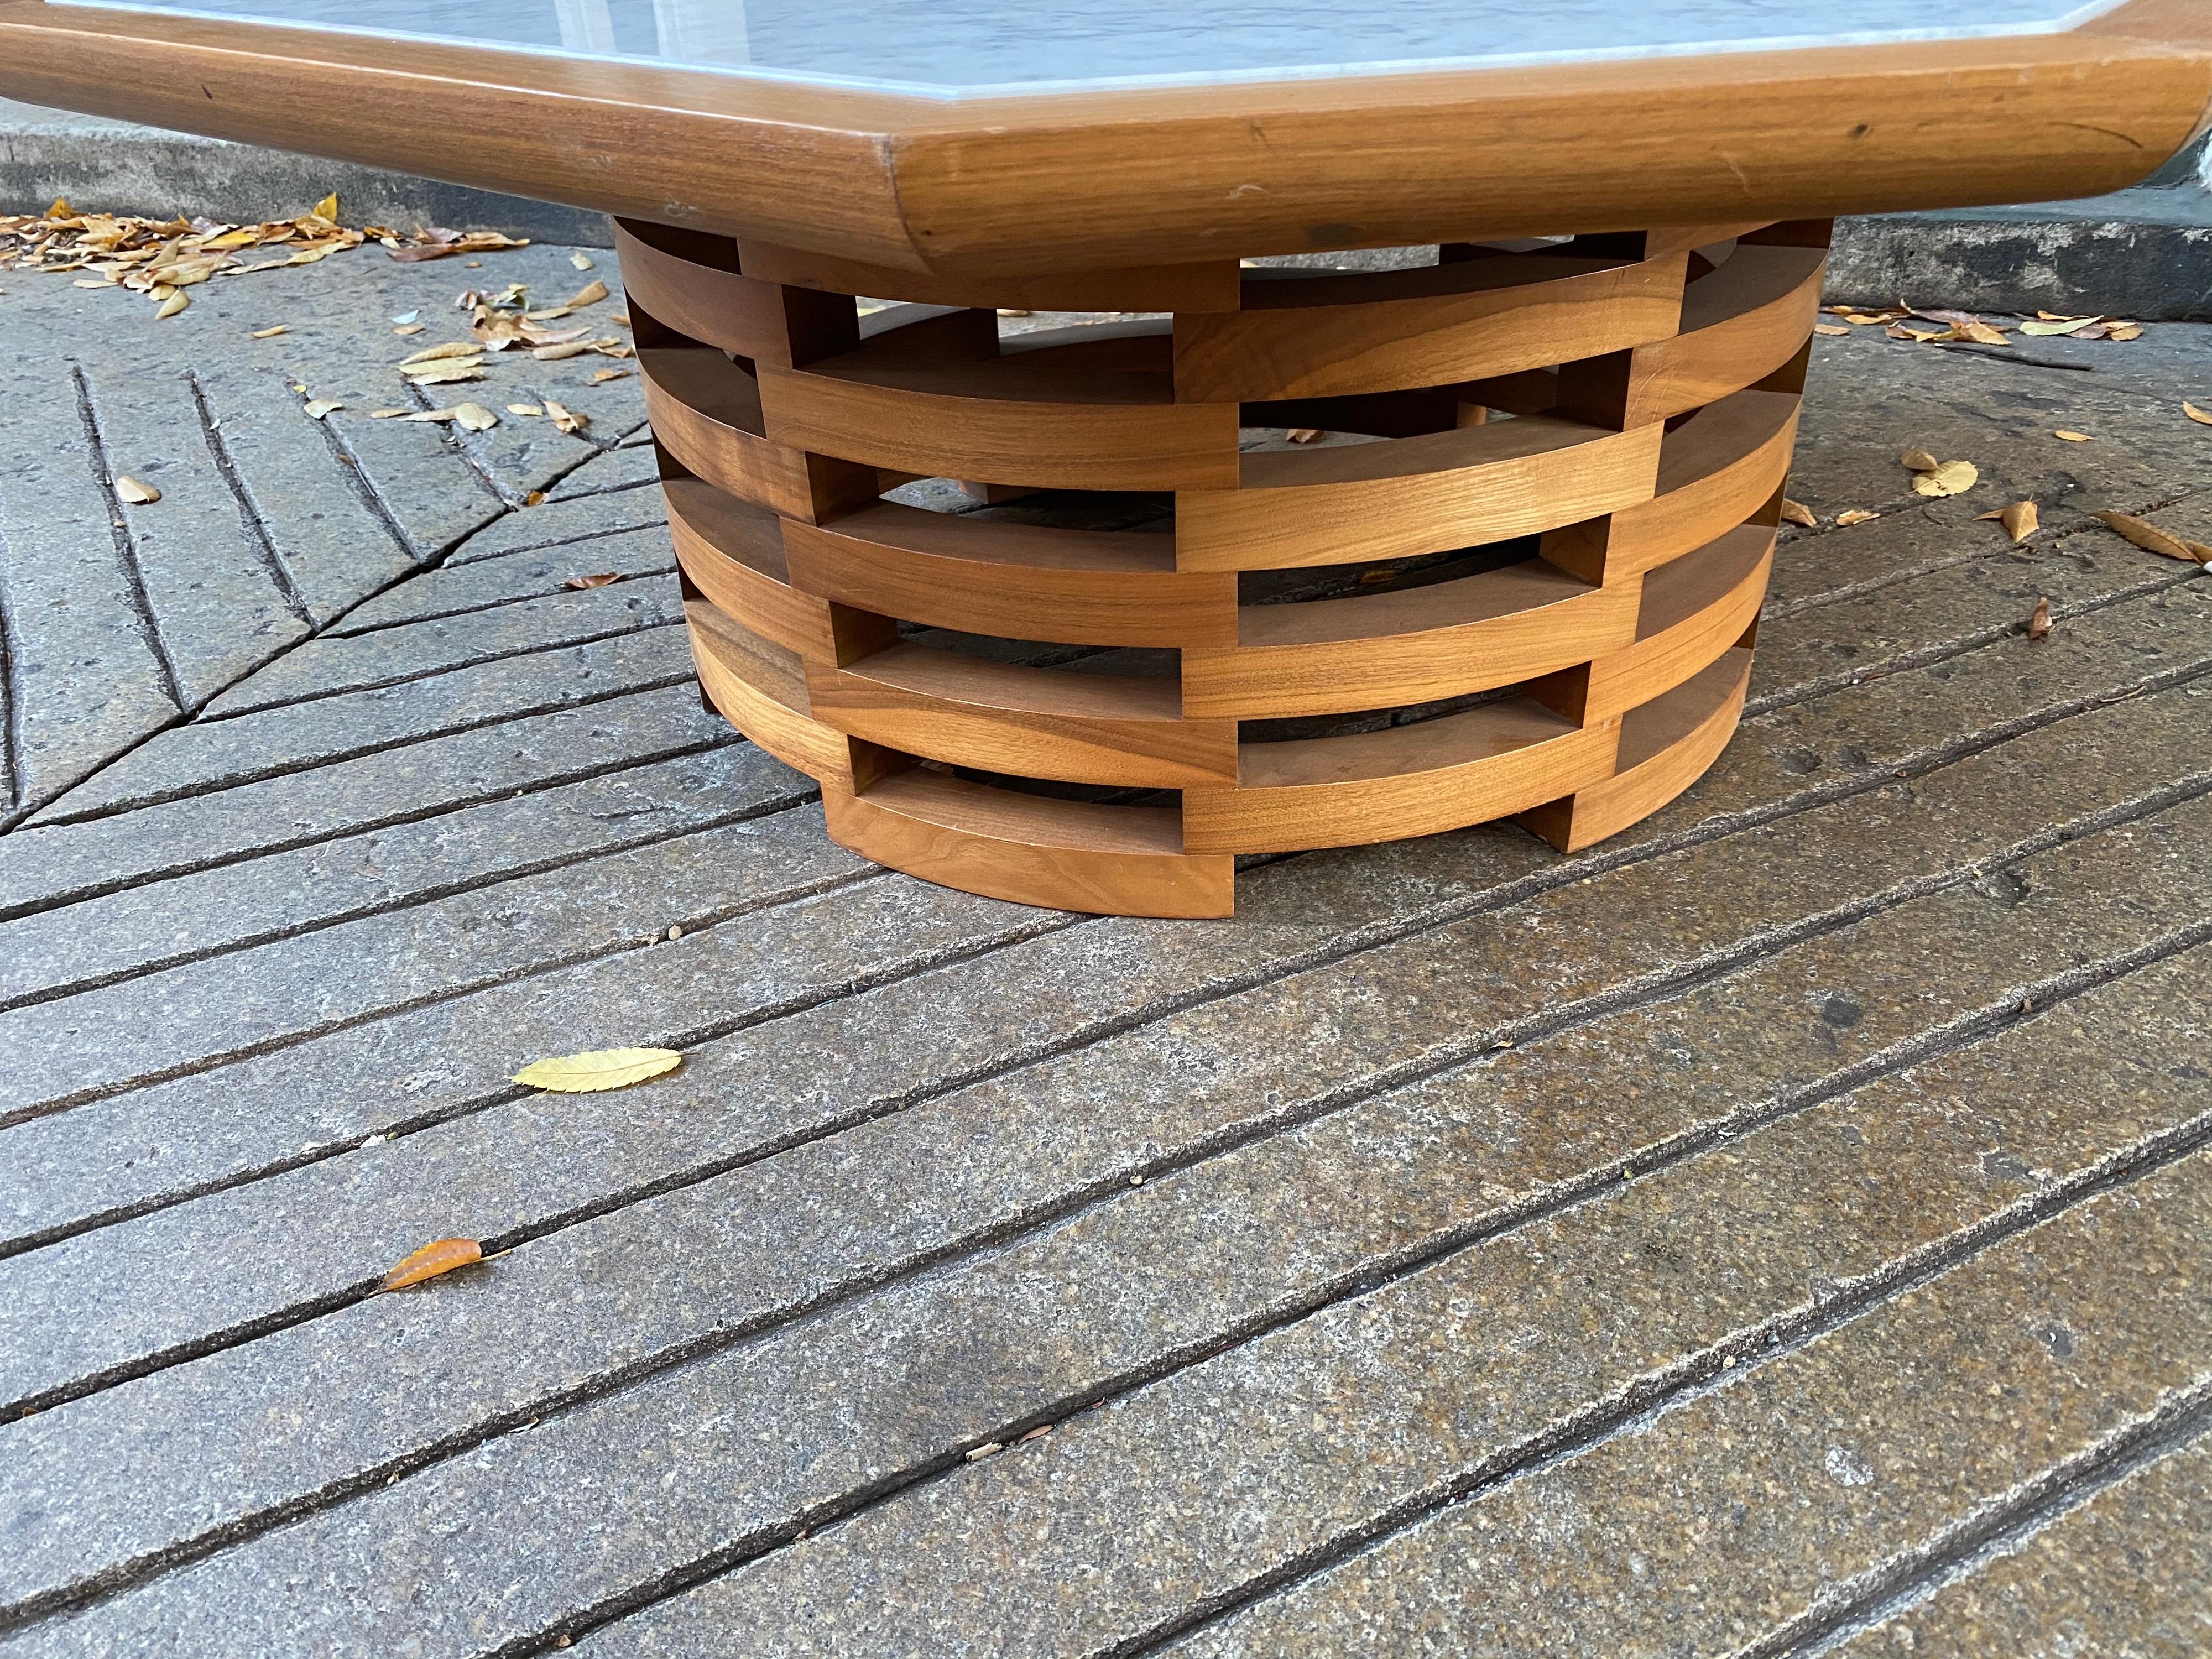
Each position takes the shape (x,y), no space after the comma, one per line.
(1767,1221)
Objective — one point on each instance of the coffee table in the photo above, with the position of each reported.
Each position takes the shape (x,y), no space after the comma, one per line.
(1512,564)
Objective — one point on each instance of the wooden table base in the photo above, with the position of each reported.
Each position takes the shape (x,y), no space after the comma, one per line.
(1529,590)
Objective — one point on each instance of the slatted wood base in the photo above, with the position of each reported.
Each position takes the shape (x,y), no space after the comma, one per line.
(1519,580)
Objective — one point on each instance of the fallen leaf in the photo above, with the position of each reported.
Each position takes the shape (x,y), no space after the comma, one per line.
(603,1068)
(438,415)
(524,409)
(2149,536)
(451,348)
(1829,328)
(604,579)
(621,317)
(554,354)
(1857,515)
(441,1257)
(316,408)
(2019,520)
(272,332)
(589,294)
(2039,621)
(171,306)
(1305,435)
(407,328)
(2196,413)
(580,259)
(601,374)
(474,417)
(1951,478)
(1798,513)
(989,1449)
(536,497)
(138,494)
(1919,460)
(388,414)
(565,419)
(1863,318)
(2057,325)
(2073,437)
(1981,333)
(461,368)
(328,207)
(2123,331)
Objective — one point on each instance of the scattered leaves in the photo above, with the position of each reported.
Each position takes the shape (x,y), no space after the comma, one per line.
(1798,513)
(138,494)
(436,242)
(601,1068)
(1951,478)
(2019,520)
(451,348)
(272,331)
(441,1257)
(474,417)
(589,294)
(2152,539)
(2074,437)
(2039,622)
(604,579)
(564,419)
(447,373)
(2196,414)
(315,408)
(1857,515)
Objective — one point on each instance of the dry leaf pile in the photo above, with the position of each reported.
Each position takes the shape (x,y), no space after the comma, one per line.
(162,257)
(1898,322)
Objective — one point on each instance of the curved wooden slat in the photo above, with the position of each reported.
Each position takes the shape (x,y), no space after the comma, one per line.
(1491,762)
(1666,745)
(1738,324)
(1030,722)
(733,553)
(1069,855)
(1207,286)
(1391,331)
(1026,581)
(761,688)
(1093,412)
(690,282)
(1693,611)
(1412,496)
(706,412)
(1383,650)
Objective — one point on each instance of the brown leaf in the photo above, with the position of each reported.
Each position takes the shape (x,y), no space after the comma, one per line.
(566,419)
(438,353)
(1981,333)
(1919,460)
(2039,621)
(2123,330)
(1857,515)
(138,494)
(1798,513)
(604,579)
(441,1257)
(1306,434)
(2019,520)
(2148,537)
(589,294)
(2073,437)
(603,374)
(1829,328)
(554,354)
(447,373)
(2196,414)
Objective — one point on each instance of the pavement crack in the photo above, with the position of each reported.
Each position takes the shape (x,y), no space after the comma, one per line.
(249,512)
(350,468)
(11,697)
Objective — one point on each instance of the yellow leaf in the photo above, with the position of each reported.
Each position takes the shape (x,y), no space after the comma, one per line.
(1857,515)
(1919,460)
(138,494)
(554,354)
(2073,437)
(1829,328)
(589,294)
(580,259)
(524,409)
(61,209)
(319,407)
(565,419)
(2057,325)
(2019,520)
(1981,333)
(461,368)
(1951,478)
(272,333)
(602,1068)
(2148,537)
(451,348)
(603,374)
(2196,413)
(474,417)
(2124,332)
(172,306)
(1798,513)
(407,328)
(441,1257)
(327,208)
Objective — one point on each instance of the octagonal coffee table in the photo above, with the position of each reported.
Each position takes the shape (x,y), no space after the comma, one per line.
(1513,562)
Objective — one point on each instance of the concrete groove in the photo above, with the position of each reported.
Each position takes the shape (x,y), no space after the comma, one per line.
(1899,1584)
(558,541)
(11,699)
(426,896)
(695,923)
(187,792)
(1687,1378)
(501,493)
(126,544)
(364,487)
(249,512)
(478,610)
(406,678)
(1987,1023)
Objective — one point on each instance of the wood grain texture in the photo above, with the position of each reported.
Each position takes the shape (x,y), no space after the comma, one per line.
(1491,762)
(665,274)
(1022,581)
(1412,496)
(1666,745)
(761,688)
(1029,722)
(1082,413)
(705,411)
(1148,176)
(1067,855)
(733,553)
(1693,611)
(1432,326)
(1739,325)
(1418,645)
(1205,285)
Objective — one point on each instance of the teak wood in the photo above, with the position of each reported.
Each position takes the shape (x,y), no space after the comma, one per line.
(1575,660)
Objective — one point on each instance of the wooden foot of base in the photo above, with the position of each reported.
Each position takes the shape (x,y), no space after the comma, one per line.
(1518,575)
